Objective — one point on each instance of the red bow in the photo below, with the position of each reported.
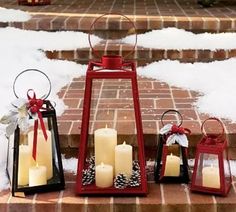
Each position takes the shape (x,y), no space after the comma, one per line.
(34,107)
(176,129)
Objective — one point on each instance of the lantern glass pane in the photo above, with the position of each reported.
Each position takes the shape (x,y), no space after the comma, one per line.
(45,169)
(112,123)
(227,174)
(208,171)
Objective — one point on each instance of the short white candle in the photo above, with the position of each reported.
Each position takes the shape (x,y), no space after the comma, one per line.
(44,150)
(172,166)
(211,177)
(123,159)
(105,140)
(104,175)
(37,175)
(24,164)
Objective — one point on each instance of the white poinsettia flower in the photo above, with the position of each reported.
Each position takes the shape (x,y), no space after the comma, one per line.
(17,116)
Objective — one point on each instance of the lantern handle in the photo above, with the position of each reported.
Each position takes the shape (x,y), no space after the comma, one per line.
(94,51)
(214,119)
(45,96)
(175,111)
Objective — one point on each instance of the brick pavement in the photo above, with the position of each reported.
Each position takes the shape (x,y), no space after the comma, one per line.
(147,14)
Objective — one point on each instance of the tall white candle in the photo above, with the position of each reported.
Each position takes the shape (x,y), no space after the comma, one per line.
(24,164)
(37,175)
(104,175)
(105,140)
(123,159)
(211,177)
(172,166)
(44,151)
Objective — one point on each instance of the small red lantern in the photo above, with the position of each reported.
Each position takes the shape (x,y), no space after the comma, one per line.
(171,163)
(114,182)
(34,2)
(211,172)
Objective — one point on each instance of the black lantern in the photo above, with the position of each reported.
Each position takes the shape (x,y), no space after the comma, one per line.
(34,160)
(171,163)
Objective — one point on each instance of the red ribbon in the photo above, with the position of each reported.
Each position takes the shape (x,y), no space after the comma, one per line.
(34,106)
(176,129)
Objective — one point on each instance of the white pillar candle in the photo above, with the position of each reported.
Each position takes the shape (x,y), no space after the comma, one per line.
(104,175)
(105,140)
(211,177)
(44,150)
(37,175)
(123,159)
(24,164)
(172,166)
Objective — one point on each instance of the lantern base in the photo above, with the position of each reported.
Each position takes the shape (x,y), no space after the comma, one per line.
(183,178)
(214,191)
(94,190)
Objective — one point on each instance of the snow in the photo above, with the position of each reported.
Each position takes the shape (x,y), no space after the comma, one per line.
(70,165)
(215,81)
(63,40)
(173,38)
(11,15)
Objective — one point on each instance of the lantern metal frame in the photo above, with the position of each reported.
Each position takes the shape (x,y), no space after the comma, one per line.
(216,145)
(49,113)
(162,150)
(116,68)
(60,184)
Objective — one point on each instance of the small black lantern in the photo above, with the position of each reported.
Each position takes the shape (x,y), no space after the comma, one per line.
(171,163)
(34,160)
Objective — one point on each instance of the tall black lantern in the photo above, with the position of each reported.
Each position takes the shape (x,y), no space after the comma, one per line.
(34,159)
(171,163)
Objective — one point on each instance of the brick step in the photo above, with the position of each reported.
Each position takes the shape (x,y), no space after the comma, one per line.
(112,106)
(147,15)
(161,197)
(143,55)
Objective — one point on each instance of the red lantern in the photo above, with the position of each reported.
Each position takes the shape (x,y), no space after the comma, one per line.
(211,172)
(34,2)
(110,67)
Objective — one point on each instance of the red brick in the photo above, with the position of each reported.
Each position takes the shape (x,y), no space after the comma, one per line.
(47,201)
(71,202)
(153,200)
(165,103)
(100,204)
(124,204)
(203,203)
(219,54)
(21,204)
(175,202)
(4,196)
(227,203)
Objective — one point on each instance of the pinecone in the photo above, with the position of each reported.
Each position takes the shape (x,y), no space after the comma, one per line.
(88,176)
(136,166)
(91,160)
(120,181)
(135,179)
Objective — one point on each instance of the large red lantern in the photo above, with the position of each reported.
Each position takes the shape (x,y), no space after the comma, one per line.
(211,172)
(103,173)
